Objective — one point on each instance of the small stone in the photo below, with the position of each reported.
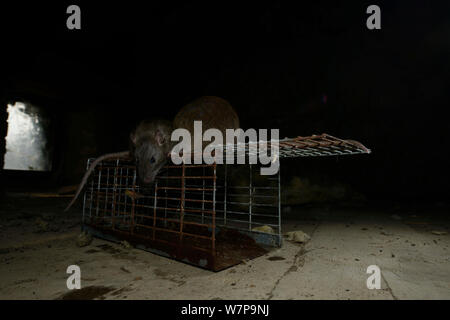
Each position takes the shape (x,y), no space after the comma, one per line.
(126,244)
(297,236)
(125,270)
(84,239)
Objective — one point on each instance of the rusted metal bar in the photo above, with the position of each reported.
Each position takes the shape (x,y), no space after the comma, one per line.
(191,177)
(225,196)
(133,203)
(99,177)
(186,200)
(176,221)
(165,193)
(154,208)
(250,207)
(183,168)
(186,209)
(174,231)
(203,197)
(213,237)
(126,198)
(196,202)
(187,189)
(113,211)
(189,166)
(106,193)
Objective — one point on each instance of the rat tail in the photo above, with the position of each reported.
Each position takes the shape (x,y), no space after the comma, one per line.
(122,154)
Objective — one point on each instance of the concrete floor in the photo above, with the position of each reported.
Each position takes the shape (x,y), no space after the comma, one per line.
(38,244)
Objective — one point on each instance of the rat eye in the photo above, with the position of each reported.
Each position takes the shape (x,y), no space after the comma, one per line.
(152,160)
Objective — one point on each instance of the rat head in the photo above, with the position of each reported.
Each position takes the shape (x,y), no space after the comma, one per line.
(149,148)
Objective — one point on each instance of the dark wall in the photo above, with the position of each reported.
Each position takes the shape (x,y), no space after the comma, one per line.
(305,69)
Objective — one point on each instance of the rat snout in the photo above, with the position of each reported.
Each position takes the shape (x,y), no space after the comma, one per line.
(148,180)
(148,177)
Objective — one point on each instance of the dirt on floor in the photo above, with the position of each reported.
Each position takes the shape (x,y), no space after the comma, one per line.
(411,248)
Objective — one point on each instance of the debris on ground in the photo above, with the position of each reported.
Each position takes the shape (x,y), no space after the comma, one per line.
(297,236)
(125,270)
(396,217)
(266,229)
(439,233)
(84,239)
(276,258)
(126,244)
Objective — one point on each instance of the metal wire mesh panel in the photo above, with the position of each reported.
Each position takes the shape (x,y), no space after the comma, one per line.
(201,214)
(245,200)
(311,146)
(207,215)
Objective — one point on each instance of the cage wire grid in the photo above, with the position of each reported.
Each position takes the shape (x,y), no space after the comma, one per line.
(189,211)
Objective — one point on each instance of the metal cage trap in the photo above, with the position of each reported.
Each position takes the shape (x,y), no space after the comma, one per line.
(202,214)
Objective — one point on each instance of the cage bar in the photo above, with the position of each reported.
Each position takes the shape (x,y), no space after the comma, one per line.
(203,214)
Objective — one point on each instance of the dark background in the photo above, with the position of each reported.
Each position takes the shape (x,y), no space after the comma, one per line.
(273,61)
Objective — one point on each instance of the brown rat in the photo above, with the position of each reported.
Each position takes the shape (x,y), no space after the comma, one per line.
(150,142)
(149,146)
(214,112)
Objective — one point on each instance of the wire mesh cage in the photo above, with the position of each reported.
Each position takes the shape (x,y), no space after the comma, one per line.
(201,214)
(213,216)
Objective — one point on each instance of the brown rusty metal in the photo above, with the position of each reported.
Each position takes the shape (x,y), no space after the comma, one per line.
(113,213)
(315,145)
(154,209)
(133,203)
(213,237)
(183,182)
(189,212)
(132,216)
(323,144)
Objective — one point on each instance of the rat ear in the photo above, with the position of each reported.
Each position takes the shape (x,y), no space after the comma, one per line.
(133,138)
(160,138)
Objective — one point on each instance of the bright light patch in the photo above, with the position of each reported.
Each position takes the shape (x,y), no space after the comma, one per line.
(26,142)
